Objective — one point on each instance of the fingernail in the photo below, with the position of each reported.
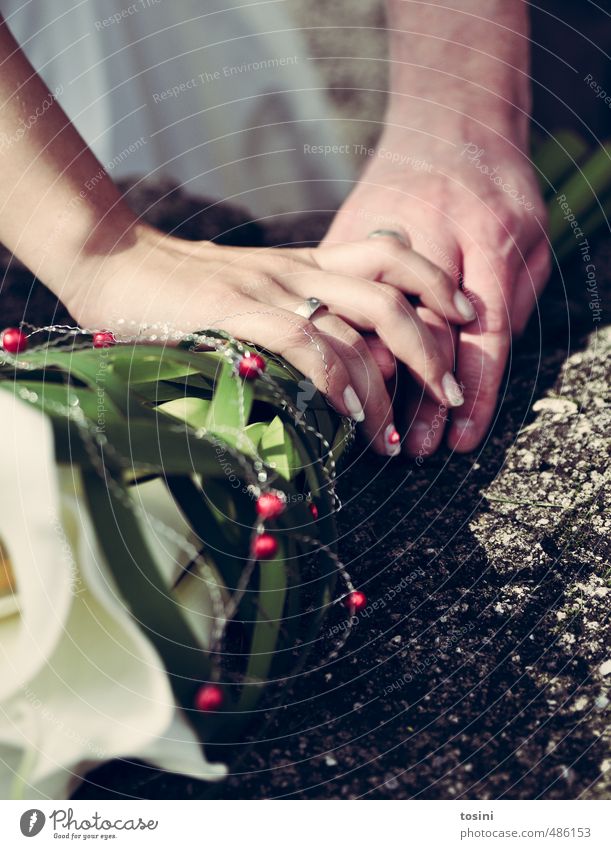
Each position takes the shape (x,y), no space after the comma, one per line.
(353,405)
(451,390)
(464,305)
(463,427)
(417,435)
(419,431)
(392,441)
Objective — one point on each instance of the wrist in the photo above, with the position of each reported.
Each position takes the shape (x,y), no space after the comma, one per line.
(105,259)
(432,137)
(81,227)
(121,260)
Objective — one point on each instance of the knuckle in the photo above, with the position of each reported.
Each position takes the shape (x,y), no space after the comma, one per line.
(355,347)
(393,248)
(389,303)
(506,219)
(229,300)
(503,229)
(296,333)
(434,364)
(484,393)
(285,266)
(440,280)
(255,285)
(498,323)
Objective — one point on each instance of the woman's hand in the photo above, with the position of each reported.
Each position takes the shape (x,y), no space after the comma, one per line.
(181,286)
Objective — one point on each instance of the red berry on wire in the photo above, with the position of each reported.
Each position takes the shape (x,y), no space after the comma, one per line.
(356,600)
(270,505)
(209,697)
(314,510)
(265,547)
(14,340)
(251,366)
(104,339)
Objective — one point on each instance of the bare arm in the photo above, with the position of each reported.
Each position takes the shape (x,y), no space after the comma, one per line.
(58,207)
(452,170)
(466,60)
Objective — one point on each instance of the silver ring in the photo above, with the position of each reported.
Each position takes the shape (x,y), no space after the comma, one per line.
(309,307)
(393,234)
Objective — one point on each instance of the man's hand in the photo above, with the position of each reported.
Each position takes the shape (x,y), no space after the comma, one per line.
(476,212)
(452,170)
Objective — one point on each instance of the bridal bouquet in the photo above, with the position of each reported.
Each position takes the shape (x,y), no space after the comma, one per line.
(166,547)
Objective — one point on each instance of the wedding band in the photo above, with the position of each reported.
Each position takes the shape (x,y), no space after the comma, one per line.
(309,307)
(393,234)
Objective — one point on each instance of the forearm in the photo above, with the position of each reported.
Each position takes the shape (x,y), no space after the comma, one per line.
(58,207)
(458,64)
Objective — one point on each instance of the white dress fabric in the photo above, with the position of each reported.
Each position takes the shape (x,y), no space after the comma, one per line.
(218,95)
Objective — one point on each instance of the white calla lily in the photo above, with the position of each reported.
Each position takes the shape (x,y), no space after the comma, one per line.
(79,682)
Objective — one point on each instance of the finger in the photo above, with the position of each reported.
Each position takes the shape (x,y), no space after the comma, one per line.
(384,309)
(387,260)
(366,378)
(382,356)
(301,343)
(425,419)
(484,346)
(530,283)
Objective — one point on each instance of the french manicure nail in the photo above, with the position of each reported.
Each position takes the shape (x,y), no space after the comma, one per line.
(392,441)
(452,390)
(353,405)
(464,305)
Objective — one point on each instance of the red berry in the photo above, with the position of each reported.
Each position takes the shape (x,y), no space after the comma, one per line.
(104,339)
(209,697)
(314,510)
(251,366)
(269,505)
(356,601)
(14,340)
(265,547)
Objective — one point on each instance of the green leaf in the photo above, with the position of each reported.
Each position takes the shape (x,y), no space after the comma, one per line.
(270,602)
(581,193)
(194,411)
(276,448)
(225,549)
(557,157)
(230,407)
(139,365)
